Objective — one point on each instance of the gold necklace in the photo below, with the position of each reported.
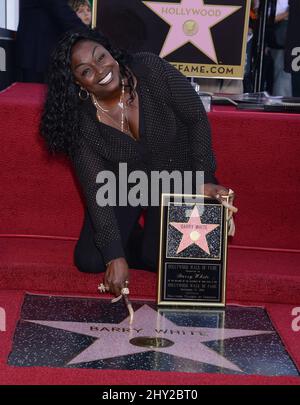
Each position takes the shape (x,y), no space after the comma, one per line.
(122,106)
(120,103)
(124,127)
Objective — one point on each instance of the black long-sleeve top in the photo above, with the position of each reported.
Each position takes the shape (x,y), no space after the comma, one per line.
(174,135)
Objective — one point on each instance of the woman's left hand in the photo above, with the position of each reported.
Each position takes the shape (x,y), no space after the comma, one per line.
(219,192)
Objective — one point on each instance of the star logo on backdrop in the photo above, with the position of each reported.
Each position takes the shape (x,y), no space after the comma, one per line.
(191,21)
(194,231)
(115,340)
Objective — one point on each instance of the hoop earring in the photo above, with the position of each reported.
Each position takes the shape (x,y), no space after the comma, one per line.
(117,62)
(85,96)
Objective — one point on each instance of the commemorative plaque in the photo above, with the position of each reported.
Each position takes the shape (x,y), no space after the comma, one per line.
(193,251)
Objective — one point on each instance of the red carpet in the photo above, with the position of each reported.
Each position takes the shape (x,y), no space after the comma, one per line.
(257,155)
(46,265)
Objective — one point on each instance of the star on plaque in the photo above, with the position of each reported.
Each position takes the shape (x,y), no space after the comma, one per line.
(191,22)
(194,232)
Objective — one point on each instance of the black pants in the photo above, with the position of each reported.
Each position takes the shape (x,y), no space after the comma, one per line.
(141,245)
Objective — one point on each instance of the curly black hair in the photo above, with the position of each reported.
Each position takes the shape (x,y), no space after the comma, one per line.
(60,119)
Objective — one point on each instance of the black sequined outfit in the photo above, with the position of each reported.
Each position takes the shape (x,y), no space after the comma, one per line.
(174,135)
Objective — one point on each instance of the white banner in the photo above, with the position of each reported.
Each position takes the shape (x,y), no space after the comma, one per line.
(9,14)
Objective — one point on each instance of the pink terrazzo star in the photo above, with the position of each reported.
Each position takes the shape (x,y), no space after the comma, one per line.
(113,339)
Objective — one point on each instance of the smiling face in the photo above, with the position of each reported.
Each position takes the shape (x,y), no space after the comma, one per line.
(95,69)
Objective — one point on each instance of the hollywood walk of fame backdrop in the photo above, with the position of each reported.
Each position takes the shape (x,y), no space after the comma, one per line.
(202,38)
(193,251)
(93,333)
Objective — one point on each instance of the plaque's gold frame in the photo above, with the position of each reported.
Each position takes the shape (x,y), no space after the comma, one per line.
(160,300)
(235,72)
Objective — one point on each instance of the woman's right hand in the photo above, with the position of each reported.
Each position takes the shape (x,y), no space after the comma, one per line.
(115,276)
